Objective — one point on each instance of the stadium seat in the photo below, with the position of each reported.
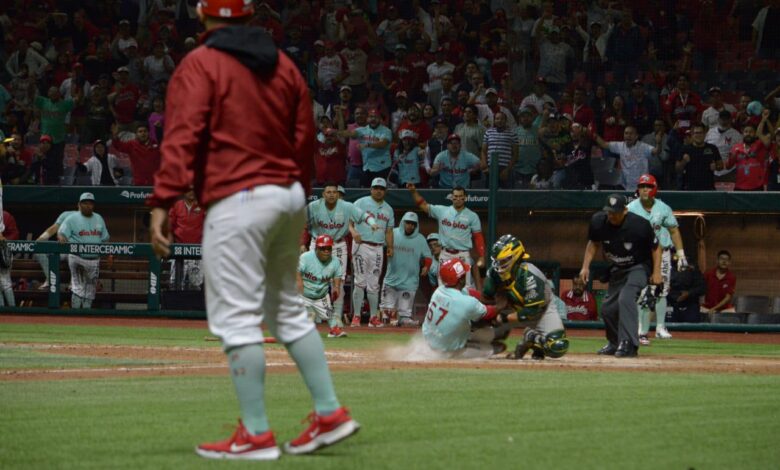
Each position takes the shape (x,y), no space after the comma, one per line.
(752,304)
(776,305)
(728,318)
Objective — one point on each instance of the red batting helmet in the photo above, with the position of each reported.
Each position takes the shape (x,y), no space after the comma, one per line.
(452,270)
(648,180)
(324,241)
(227,8)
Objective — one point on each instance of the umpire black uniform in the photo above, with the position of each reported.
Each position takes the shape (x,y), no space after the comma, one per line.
(632,251)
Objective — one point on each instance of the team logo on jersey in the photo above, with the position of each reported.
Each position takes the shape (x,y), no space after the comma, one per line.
(628,245)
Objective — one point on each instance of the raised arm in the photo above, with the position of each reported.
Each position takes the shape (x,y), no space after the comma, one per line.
(419,201)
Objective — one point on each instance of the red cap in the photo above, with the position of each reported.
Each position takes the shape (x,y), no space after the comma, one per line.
(227,8)
(324,241)
(452,270)
(46,138)
(374,112)
(453,137)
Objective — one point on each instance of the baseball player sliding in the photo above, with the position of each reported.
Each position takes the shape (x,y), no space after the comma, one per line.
(331,216)
(239,127)
(316,270)
(368,246)
(84,226)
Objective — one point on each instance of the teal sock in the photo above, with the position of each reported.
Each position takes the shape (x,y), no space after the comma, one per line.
(309,354)
(660,312)
(644,320)
(9,297)
(358,293)
(75,301)
(247,369)
(373,303)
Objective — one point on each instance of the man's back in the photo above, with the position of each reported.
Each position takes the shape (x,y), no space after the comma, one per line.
(448,320)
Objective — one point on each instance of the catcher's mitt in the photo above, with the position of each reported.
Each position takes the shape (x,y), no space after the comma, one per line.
(6,255)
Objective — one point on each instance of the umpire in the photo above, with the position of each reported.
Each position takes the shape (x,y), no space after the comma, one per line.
(632,251)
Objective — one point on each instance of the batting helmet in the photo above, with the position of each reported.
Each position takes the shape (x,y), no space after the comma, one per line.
(227,8)
(324,241)
(505,252)
(452,270)
(648,180)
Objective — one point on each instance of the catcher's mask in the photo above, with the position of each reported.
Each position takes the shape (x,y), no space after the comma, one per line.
(505,253)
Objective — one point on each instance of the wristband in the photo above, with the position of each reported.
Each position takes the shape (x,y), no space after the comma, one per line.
(420,202)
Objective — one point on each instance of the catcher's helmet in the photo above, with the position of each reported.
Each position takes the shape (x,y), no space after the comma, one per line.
(505,252)
(323,241)
(227,8)
(648,180)
(452,270)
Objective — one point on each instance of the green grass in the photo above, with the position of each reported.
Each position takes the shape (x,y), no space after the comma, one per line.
(411,419)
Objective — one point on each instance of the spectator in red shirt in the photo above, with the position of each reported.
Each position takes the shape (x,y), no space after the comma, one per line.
(123,101)
(415,123)
(580,304)
(720,286)
(615,120)
(330,159)
(143,153)
(10,232)
(578,110)
(396,75)
(186,224)
(683,106)
(750,157)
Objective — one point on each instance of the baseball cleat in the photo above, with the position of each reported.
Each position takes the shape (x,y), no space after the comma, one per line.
(375,322)
(355,321)
(662,333)
(323,431)
(408,322)
(337,332)
(242,446)
(644,340)
(608,350)
(626,349)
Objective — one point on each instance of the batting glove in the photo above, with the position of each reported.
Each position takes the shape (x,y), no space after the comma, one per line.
(682,261)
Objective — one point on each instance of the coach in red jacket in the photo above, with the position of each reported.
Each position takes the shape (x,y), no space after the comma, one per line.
(143,153)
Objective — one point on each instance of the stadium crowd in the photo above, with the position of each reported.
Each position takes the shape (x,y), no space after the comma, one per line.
(565,94)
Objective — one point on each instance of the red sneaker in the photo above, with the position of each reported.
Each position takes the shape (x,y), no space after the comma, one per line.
(242,446)
(375,322)
(323,431)
(355,321)
(336,332)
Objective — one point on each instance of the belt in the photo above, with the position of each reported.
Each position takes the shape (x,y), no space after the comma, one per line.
(373,244)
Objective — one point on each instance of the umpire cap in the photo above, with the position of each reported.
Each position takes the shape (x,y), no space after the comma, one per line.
(615,203)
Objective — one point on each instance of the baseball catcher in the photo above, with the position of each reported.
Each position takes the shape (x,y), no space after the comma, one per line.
(524,298)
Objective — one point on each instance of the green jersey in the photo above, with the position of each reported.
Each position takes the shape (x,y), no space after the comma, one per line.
(403,268)
(448,322)
(382,214)
(317,275)
(527,290)
(661,218)
(80,229)
(53,117)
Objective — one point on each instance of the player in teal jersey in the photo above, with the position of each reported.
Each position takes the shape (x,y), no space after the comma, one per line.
(667,231)
(316,270)
(42,258)
(448,326)
(518,285)
(410,252)
(85,226)
(368,246)
(435,246)
(459,228)
(331,216)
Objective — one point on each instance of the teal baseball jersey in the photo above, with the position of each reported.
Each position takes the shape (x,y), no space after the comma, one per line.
(317,275)
(433,273)
(62,217)
(79,229)
(455,228)
(323,221)
(447,323)
(403,268)
(455,172)
(382,214)
(375,159)
(661,218)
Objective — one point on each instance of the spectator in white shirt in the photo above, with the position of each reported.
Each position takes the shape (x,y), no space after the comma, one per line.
(711,116)
(723,136)
(539,96)
(36,63)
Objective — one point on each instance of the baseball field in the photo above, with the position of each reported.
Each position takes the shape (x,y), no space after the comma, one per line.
(118,393)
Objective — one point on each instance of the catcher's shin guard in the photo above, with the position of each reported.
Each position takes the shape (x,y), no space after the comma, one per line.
(556,344)
(532,339)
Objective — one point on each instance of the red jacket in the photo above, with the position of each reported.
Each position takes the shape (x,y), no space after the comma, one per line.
(144,158)
(229,127)
(186,223)
(11,231)
(581,307)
